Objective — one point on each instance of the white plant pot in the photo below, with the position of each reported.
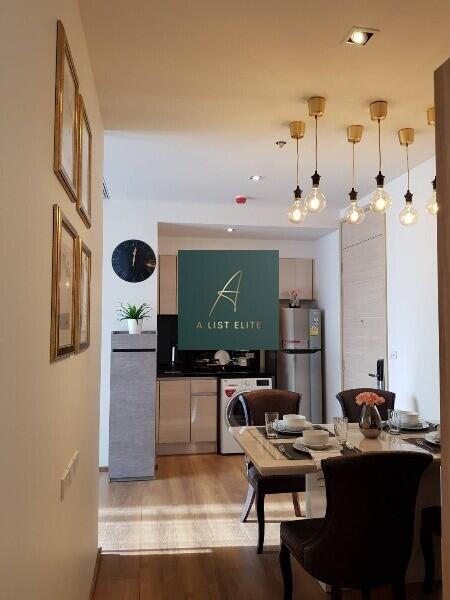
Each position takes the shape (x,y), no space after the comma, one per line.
(134,326)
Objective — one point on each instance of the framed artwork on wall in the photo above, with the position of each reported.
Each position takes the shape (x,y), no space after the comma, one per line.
(84,297)
(65,162)
(84,196)
(64,286)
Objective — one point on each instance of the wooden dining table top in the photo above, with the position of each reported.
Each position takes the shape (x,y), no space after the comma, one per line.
(264,455)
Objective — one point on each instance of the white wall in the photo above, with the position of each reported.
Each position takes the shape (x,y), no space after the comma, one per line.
(328,295)
(413,329)
(48,411)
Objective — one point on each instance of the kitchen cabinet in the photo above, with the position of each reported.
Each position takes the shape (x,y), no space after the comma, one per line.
(297,273)
(167,284)
(204,418)
(174,411)
(187,415)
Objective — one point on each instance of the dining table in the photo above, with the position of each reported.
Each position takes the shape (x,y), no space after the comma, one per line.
(270,457)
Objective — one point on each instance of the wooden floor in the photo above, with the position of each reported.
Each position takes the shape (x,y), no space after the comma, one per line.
(179,537)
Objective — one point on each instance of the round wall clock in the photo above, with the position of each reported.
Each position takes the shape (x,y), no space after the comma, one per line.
(133,261)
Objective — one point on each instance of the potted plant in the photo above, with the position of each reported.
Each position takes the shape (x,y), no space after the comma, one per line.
(134,315)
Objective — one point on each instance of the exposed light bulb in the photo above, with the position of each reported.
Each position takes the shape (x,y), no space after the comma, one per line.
(354,214)
(297,212)
(315,200)
(358,37)
(380,201)
(408,216)
(432,205)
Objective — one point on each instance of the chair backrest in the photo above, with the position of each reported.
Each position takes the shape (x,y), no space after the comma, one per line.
(367,534)
(258,402)
(352,411)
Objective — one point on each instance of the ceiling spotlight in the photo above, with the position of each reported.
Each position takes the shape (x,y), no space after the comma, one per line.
(255,177)
(359,36)
(280,144)
(230,229)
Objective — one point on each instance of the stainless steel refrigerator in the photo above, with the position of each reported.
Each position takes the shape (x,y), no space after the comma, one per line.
(299,360)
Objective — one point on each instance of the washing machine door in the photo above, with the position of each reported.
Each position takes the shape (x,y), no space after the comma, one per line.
(236,413)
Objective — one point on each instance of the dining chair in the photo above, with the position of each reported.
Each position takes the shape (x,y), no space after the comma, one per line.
(256,403)
(431,524)
(366,537)
(351,410)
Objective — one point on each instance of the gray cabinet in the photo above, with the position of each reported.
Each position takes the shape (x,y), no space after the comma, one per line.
(132,406)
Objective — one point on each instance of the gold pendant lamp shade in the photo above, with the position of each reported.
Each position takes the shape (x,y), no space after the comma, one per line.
(378,110)
(316,106)
(297,129)
(354,214)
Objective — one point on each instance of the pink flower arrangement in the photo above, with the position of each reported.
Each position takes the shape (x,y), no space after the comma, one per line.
(369,398)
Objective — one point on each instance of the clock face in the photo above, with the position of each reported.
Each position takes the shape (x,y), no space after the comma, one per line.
(133,261)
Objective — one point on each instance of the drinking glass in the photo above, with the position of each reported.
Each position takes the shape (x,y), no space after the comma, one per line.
(394,421)
(271,417)
(341,429)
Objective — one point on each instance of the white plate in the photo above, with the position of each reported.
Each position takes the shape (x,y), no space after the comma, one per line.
(285,429)
(300,445)
(419,427)
(431,437)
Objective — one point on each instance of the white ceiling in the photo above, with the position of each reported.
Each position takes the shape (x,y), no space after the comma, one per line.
(247,232)
(195,94)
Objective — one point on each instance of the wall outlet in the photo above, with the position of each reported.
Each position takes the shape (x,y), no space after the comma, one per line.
(69,474)
(393,355)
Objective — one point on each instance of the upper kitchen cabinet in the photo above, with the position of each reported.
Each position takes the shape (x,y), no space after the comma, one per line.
(167,285)
(297,273)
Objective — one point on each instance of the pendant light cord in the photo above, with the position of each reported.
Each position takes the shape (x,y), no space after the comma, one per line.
(297,162)
(353,166)
(379,145)
(407,163)
(316,142)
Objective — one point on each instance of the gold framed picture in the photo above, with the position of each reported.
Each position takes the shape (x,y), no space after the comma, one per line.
(83,296)
(65,161)
(64,286)
(84,197)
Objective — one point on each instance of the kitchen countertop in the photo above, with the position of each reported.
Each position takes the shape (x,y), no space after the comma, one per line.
(207,374)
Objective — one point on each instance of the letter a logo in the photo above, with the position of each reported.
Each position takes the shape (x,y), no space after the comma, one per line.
(229,294)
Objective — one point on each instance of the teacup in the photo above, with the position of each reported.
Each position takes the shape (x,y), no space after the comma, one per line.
(316,437)
(409,417)
(292,421)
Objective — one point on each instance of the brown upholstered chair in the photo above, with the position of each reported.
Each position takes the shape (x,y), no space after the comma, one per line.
(431,524)
(352,411)
(256,404)
(347,549)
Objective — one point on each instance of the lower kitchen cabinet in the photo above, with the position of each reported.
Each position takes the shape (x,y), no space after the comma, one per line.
(186,416)
(204,418)
(174,411)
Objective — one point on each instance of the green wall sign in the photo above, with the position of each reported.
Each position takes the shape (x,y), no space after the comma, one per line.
(228,299)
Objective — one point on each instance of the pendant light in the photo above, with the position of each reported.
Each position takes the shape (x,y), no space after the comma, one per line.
(432,205)
(380,201)
(315,200)
(354,215)
(408,216)
(297,212)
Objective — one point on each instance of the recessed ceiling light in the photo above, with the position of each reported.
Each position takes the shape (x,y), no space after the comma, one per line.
(229,229)
(255,177)
(359,36)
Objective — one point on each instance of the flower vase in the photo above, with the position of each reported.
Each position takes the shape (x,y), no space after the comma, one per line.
(134,326)
(370,421)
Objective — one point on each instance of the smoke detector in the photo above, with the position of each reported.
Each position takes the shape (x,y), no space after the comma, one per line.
(240,199)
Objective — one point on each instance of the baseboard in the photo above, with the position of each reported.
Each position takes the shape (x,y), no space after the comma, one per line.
(103,469)
(95,573)
(186,448)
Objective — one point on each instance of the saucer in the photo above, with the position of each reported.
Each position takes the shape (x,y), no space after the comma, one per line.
(300,445)
(418,427)
(278,426)
(432,439)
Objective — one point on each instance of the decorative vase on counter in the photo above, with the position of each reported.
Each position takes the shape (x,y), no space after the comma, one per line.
(370,421)
(134,326)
